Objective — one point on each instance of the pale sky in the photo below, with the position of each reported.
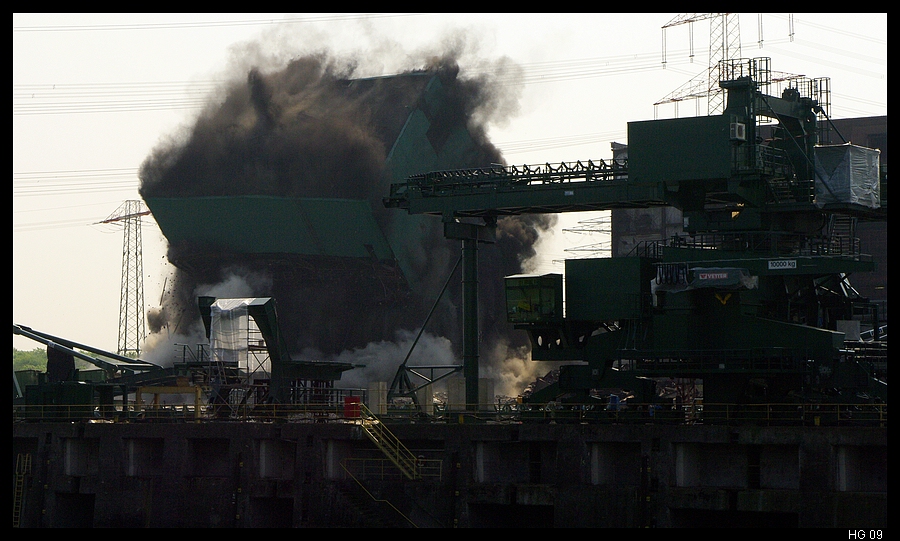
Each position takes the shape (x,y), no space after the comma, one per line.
(94,94)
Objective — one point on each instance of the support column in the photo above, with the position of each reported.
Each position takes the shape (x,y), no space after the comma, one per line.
(470,234)
(470,320)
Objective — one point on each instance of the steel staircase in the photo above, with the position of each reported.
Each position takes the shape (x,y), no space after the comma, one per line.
(389,444)
(841,232)
(370,508)
(781,190)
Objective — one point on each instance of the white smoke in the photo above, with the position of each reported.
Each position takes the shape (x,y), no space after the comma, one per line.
(379,361)
(165,347)
(511,368)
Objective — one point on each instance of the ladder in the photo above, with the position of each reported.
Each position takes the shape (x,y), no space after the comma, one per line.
(23,468)
(389,444)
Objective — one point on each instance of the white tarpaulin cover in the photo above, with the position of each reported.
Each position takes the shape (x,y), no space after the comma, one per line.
(229,328)
(848,174)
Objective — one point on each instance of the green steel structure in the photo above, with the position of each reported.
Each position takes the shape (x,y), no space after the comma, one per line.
(330,235)
(255,224)
(306,238)
(309,242)
(754,298)
(318,249)
(411,119)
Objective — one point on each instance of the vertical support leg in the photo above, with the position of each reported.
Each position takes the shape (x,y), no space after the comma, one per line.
(470,320)
(470,234)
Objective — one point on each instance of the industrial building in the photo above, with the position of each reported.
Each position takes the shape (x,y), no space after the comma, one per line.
(345,272)
(629,227)
(739,293)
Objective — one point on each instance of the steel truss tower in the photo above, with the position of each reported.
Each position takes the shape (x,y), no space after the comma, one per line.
(132,327)
(724,44)
(724,59)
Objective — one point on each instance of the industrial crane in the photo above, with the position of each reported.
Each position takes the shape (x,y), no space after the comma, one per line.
(754,298)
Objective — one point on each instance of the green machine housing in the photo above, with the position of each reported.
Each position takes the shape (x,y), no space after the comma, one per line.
(532,298)
(754,298)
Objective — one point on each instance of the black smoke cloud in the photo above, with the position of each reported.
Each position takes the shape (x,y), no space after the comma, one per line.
(299,132)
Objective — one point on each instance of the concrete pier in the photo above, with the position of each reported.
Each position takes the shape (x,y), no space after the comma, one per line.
(255,474)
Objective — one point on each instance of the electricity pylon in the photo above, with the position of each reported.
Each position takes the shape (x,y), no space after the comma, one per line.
(132,328)
(725,62)
(724,44)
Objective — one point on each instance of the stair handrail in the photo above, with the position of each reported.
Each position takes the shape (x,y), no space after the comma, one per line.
(392,447)
(377,500)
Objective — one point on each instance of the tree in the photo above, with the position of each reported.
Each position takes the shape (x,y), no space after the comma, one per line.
(36,359)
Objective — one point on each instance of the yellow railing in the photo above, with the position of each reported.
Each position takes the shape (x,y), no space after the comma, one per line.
(388,443)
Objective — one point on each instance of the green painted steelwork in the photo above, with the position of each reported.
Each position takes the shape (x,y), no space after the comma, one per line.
(608,289)
(254,224)
(530,299)
(750,299)
(411,114)
(681,149)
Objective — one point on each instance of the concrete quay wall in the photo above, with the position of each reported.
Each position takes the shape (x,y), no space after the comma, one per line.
(254,474)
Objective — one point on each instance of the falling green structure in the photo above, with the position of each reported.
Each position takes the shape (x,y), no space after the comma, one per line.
(420,136)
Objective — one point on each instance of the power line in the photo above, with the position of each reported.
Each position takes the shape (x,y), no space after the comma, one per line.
(200,24)
(44,183)
(33,99)
(67,207)
(530,145)
(824,61)
(73,190)
(67,224)
(71,173)
(53,224)
(832,29)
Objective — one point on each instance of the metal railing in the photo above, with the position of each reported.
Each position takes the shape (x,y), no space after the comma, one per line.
(372,496)
(383,469)
(809,414)
(775,414)
(182,412)
(392,447)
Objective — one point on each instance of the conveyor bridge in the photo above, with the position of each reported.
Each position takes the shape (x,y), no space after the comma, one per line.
(512,190)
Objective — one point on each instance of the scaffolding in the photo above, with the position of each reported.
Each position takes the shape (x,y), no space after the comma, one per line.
(239,367)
